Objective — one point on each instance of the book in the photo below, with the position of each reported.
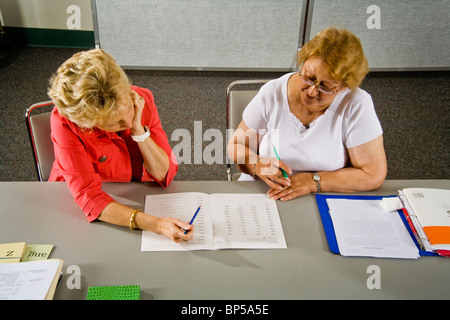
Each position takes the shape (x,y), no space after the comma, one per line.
(225,221)
(12,252)
(429,210)
(34,280)
(37,252)
(128,292)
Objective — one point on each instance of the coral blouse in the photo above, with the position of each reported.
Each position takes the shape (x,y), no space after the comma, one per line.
(85,159)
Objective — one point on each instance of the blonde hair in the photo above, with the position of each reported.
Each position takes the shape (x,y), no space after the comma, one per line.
(342,53)
(88,87)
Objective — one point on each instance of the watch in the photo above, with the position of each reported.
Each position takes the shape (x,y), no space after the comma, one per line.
(141,137)
(316,178)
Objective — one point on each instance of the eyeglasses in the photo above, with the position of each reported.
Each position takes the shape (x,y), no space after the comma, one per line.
(309,82)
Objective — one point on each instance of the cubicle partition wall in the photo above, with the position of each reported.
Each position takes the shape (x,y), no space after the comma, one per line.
(396,35)
(265,35)
(201,35)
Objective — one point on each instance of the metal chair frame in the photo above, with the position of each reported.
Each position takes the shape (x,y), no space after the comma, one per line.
(43,167)
(249,94)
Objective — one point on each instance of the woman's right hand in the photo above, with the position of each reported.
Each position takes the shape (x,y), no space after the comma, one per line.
(269,170)
(138,104)
(174,229)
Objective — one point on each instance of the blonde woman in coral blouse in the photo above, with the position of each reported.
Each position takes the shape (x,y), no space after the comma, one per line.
(103,130)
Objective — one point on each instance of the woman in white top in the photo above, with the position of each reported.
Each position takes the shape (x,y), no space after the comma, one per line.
(318,121)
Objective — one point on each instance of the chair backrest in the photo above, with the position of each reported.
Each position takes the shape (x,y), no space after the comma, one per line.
(237,100)
(39,131)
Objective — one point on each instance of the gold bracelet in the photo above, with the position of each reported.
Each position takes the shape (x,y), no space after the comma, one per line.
(132,217)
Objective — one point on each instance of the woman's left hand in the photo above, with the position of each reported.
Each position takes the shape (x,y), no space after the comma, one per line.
(301,183)
(138,103)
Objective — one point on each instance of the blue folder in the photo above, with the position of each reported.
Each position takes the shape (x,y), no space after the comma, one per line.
(324,211)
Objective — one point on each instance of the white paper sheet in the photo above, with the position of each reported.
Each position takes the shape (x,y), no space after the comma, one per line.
(431,206)
(364,228)
(246,221)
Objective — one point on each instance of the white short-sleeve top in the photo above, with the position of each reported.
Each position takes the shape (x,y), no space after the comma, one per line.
(349,121)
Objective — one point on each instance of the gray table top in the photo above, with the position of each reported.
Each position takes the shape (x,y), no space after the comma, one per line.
(44,212)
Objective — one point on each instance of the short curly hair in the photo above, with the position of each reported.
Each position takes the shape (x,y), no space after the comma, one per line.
(342,53)
(88,88)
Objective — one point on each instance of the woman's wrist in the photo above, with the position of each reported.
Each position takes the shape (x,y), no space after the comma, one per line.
(144,221)
(138,130)
(316,184)
(254,173)
(133,224)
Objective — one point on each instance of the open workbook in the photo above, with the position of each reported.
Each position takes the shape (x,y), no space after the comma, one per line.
(225,221)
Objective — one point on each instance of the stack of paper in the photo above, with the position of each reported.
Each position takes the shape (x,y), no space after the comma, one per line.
(26,273)
(365,228)
(35,280)
(428,210)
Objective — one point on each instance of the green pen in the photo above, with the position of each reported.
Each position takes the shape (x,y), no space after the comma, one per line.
(278,157)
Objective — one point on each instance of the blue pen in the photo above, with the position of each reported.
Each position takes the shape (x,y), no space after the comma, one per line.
(193,218)
(278,157)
